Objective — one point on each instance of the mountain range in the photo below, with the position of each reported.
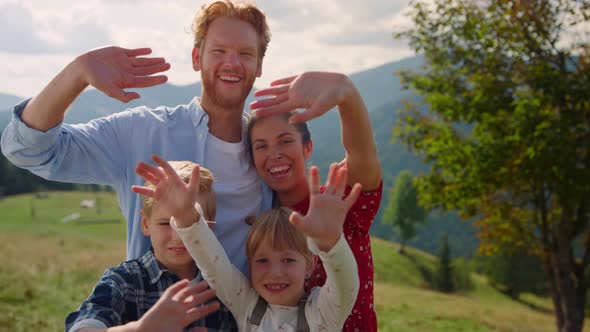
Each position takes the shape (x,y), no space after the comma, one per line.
(383,94)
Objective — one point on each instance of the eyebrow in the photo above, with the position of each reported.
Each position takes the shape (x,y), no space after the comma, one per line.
(281,135)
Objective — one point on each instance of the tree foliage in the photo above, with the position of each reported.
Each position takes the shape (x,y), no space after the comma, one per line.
(14,180)
(508,129)
(404,212)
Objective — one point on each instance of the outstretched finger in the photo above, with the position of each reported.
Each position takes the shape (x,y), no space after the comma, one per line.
(129,96)
(143,62)
(196,297)
(285,80)
(117,92)
(137,51)
(175,288)
(314,180)
(184,294)
(268,102)
(297,220)
(149,173)
(166,167)
(145,191)
(329,187)
(272,110)
(203,310)
(316,110)
(340,180)
(353,196)
(272,91)
(150,70)
(195,180)
(147,81)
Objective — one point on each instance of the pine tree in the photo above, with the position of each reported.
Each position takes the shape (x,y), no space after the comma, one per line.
(444,275)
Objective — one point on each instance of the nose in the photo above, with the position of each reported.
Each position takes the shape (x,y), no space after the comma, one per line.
(275,269)
(275,152)
(232,59)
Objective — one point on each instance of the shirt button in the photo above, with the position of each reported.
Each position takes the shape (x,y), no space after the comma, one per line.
(201,136)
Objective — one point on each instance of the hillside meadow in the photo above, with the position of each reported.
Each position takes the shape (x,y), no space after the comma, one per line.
(48,267)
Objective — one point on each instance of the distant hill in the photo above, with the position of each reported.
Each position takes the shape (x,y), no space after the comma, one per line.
(7,101)
(382,92)
(381,85)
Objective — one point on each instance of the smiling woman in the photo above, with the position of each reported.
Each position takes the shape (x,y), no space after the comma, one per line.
(280,143)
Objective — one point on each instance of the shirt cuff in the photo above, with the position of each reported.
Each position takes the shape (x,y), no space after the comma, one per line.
(29,136)
(316,251)
(88,323)
(192,228)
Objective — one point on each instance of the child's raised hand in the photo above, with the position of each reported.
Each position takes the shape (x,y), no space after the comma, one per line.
(327,211)
(180,305)
(171,192)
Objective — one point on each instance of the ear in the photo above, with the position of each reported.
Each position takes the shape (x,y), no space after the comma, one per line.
(259,69)
(308,149)
(196,59)
(144,224)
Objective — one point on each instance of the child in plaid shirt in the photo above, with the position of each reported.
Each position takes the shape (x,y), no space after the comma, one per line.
(147,294)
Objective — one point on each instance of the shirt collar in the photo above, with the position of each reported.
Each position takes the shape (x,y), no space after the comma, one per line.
(154,269)
(198,114)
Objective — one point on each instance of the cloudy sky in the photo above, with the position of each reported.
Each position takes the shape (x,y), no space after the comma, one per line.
(38,37)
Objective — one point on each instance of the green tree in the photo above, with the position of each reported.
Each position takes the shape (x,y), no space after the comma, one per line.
(507,133)
(444,271)
(403,212)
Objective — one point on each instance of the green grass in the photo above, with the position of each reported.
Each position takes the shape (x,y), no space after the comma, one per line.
(48,267)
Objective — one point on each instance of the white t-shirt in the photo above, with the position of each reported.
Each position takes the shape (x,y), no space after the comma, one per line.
(238,192)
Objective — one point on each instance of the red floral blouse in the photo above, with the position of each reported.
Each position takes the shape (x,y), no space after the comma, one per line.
(356,230)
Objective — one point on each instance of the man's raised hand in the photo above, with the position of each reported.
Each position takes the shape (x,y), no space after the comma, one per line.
(113,69)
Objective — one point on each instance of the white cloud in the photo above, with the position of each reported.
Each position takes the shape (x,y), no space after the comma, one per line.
(333,35)
(17,30)
(29,29)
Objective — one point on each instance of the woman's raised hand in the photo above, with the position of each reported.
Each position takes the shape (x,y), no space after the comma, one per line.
(316,92)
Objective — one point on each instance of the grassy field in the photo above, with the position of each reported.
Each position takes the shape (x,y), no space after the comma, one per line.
(48,267)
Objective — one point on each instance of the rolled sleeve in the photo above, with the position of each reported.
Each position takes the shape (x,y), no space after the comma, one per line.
(104,305)
(88,323)
(20,143)
(82,153)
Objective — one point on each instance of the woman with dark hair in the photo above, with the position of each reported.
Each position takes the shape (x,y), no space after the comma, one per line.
(279,143)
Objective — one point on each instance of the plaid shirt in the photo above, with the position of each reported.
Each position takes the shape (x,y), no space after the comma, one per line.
(126,292)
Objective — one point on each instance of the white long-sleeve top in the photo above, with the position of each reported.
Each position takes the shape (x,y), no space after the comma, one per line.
(326,309)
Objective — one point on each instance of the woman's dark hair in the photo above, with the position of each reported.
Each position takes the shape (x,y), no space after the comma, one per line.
(301,127)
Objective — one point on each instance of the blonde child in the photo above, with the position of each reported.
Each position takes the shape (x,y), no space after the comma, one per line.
(152,293)
(278,252)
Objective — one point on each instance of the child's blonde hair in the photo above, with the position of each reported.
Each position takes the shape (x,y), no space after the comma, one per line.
(184,169)
(274,229)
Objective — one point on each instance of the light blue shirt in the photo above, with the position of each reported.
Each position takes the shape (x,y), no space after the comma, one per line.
(106,151)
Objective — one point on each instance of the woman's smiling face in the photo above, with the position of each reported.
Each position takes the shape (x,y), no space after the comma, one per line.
(279,153)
